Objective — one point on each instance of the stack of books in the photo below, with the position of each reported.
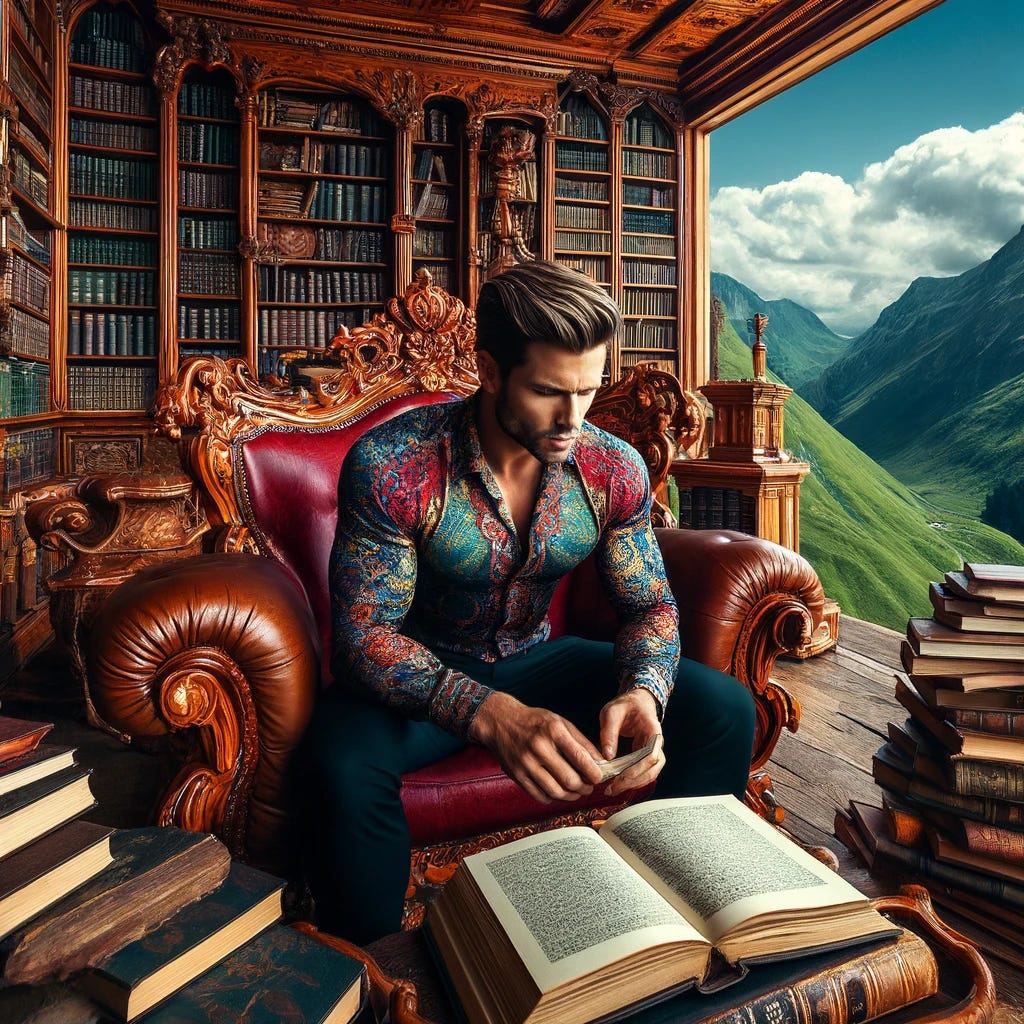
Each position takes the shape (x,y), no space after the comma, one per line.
(152,924)
(952,772)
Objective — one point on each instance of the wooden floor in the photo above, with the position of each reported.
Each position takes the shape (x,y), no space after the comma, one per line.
(846,696)
(847,699)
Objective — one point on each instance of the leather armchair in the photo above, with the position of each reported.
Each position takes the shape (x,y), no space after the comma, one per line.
(225,652)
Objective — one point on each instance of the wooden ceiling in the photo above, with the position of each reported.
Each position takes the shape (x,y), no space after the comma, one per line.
(709,51)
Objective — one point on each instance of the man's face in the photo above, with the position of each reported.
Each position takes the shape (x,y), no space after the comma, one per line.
(542,403)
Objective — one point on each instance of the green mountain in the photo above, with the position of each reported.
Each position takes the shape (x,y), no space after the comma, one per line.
(799,344)
(874,543)
(934,391)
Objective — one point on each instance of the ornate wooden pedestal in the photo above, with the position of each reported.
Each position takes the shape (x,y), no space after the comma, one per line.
(111,526)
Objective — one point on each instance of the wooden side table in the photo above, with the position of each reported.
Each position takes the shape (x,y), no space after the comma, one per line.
(110,527)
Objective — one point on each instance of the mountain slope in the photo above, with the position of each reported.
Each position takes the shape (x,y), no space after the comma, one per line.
(870,538)
(933,391)
(799,344)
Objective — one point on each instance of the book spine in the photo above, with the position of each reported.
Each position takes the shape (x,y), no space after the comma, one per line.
(995,842)
(997,780)
(862,989)
(1001,723)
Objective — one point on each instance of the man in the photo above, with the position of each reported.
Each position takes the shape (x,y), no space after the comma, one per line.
(456,521)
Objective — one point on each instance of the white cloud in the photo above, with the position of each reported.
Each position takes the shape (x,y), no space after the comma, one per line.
(938,206)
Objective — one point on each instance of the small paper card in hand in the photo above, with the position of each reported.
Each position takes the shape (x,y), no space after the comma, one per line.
(617,765)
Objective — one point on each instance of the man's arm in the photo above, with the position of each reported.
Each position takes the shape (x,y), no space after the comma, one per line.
(372,578)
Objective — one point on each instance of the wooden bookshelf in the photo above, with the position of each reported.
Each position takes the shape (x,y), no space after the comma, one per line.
(437,195)
(209,293)
(324,205)
(113,188)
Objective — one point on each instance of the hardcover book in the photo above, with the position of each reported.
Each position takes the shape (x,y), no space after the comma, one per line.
(281,975)
(943,693)
(987,586)
(18,737)
(935,639)
(155,872)
(945,599)
(568,925)
(968,671)
(139,975)
(41,873)
(36,764)
(31,811)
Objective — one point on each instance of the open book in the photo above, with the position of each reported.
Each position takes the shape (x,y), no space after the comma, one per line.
(573,924)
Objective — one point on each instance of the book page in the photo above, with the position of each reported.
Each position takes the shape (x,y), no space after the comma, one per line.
(569,904)
(719,863)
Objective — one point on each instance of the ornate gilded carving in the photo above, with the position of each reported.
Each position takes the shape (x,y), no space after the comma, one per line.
(191,39)
(253,69)
(485,99)
(397,92)
(403,224)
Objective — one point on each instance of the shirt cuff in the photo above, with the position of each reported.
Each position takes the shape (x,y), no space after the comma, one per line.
(655,686)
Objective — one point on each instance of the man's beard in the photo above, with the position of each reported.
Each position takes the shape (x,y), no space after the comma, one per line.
(532,442)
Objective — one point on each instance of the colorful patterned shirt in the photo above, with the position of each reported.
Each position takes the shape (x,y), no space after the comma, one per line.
(426,559)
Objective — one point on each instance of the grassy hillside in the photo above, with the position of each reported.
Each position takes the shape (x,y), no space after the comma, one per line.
(874,542)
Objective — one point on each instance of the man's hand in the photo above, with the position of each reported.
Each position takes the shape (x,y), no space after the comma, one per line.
(633,714)
(545,753)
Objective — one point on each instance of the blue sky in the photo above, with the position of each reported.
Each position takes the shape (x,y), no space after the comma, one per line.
(913,147)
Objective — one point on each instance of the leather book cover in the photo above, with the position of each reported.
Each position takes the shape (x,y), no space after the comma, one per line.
(46,759)
(281,975)
(28,812)
(18,737)
(198,936)
(155,872)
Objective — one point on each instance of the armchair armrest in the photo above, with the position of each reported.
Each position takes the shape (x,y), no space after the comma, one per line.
(743,601)
(220,651)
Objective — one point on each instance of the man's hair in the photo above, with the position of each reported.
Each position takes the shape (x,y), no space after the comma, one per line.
(542,301)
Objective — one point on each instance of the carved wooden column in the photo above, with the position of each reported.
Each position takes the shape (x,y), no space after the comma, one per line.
(108,528)
(247,213)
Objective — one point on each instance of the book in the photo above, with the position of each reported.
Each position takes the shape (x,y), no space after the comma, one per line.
(834,987)
(988,572)
(942,693)
(945,599)
(968,742)
(970,672)
(18,737)
(934,639)
(154,873)
(46,759)
(999,723)
(977,623)
(872,823)
(944,849)
(31,811)
(571,924)
(989,588)
(144,972)
(279,975)
(41,873)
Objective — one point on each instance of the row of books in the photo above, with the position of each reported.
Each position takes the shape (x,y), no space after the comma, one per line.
(97,249)
(112,176)
(26,87)
(123,287)
(579,120)
(430,166)
(94,213)
(207,273)
(29,179)
(36,243)
(31,39)
(208,232)
(315,156)
(431,202)
(110,38)
(591,191)
(205,99)
(578,156)
(112,134)
(285,108)
(593,218)
(595,267)
(433,242)
(281,284)
(646,131)
(203,143)
(645,303)
(717,508)
(951,773)
(641,272)
(307,328)
(116,386)
(29,284)
(587,241)
(649,334)
(111,96)
(111,334)
(209,190)
(436,126)
(648,245)
(209,321)
(28,456)
(152,924)
(647,195)
(24,387)
(28,335)
(648,222)
(628,359)
(638,164)
(346,201)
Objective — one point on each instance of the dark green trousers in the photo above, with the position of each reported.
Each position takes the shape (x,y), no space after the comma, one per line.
(357,752)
